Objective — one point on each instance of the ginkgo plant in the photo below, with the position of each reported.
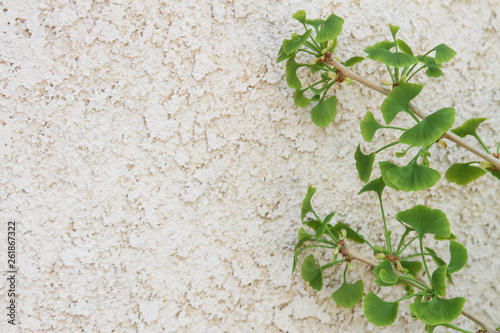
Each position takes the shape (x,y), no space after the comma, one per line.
(394,266)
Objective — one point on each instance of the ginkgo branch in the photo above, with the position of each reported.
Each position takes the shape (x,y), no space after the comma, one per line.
(330,60)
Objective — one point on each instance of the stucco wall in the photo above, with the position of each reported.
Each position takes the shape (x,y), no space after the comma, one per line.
(154,160)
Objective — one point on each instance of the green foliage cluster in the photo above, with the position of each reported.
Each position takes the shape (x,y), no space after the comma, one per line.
(395,265)
(402,65)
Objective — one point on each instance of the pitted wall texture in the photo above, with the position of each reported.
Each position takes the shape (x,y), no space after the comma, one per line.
(154,160)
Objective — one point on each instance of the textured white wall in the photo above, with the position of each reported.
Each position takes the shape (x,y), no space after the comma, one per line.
(156,164)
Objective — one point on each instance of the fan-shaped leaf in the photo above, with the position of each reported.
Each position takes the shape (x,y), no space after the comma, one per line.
(348,295)
(292,45)
(404,47)
(451,237)
(438,280)
(412,266)
(444,53)
(377,185)
(291,73)
(353,61)
(429,129)
(306,203)
(300,16)
(299,98)
(324,225)
(283,56)
(369,126)
(331,29)
(315,23)
(433,72)
(394,59)
(311,273)
(426,221)
(463,173)
(385,266)
(438,310)
(364,164)
(413,177)
(459,256)
(379,312)
(394,30)
(385,166)
(438,261)
(303,234)
(399,100)
(388,278)
(351,234)
(385,44)
(324,112)
(433,68)
(468,128)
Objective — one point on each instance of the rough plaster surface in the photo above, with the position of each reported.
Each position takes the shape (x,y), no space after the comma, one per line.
(154,160)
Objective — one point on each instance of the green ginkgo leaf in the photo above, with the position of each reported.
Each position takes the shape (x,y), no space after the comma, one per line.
(350,233)
(438,280)
(468,128)
(463,173)
(394,30)
(379,312)
(458,257)
(438,260)
(331,29)
(430,129)
(364,164)
(430,328)
(306,203)
(494,173)
(394,59)
(383,279)
(433,72)
(433,68)
(292,45)
(451,237)
(295,252)
(299,99)
(438,311)
(282,56)
(324,112)
(385,44)
(348,295)
(300,16)
(376,185)
(311,273)
(324,225)
(369,126)
(404,47)
(412,266)
(291,73)
(413,177)
(444,53)
(385,166)
(353,61)
(303,234)
(315,23)
(426,220)
(388,278)
(399,100)
(384,265)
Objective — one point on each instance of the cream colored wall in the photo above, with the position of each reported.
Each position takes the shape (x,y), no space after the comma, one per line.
(154,160)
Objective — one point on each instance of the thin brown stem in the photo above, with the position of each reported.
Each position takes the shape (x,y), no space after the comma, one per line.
(330,60)
(356,256)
